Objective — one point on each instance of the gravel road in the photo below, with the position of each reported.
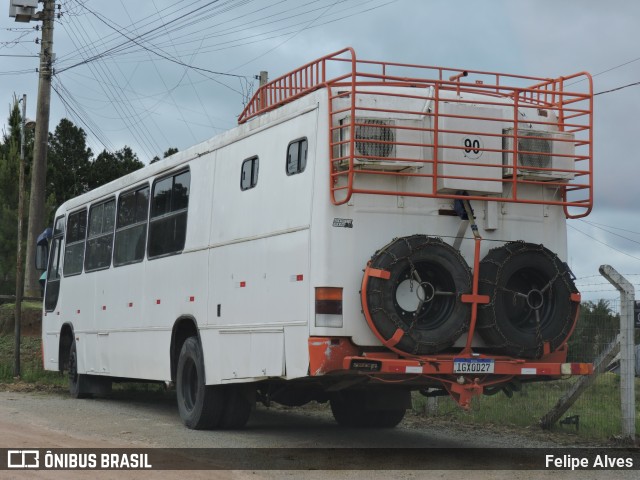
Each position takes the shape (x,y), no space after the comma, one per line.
(139,420)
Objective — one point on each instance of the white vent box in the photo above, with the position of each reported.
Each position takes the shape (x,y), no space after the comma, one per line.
(469,148)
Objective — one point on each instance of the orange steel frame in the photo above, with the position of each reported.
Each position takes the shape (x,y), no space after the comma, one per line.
(574,111)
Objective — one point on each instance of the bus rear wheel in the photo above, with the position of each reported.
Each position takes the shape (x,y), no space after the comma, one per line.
(351,409)
(200,406)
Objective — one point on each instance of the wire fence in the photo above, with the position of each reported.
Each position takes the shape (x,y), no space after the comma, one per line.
(595,416)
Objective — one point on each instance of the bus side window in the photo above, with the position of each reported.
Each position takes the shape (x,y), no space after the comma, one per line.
(249,173)
(297,156)
(100,236)
(131,227)
(74,252)
(168,219)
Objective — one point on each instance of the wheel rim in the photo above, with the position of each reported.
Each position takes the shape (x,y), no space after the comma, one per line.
(73,368)
(526,300)
(434,298)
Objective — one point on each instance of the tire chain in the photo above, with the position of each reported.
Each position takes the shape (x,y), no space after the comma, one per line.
(520,244)
(394,319)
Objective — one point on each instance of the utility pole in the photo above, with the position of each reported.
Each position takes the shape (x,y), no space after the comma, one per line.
(19,262)
(39,167)
(264,79)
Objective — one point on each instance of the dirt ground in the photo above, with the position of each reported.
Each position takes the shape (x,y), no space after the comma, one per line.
(48,418)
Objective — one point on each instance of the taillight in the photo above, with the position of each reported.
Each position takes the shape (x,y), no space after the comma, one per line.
(329,307)
(576,369)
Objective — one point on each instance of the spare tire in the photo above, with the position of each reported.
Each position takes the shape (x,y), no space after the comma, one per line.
(411,295)
(533,300)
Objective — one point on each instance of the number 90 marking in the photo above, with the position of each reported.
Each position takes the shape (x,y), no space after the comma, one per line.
(472,147)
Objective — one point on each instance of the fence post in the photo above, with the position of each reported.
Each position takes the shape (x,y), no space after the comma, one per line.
(627,349)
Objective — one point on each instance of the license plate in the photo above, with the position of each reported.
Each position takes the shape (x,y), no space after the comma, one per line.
(473,365)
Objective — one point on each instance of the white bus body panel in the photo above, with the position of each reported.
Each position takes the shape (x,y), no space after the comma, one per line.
(252,259)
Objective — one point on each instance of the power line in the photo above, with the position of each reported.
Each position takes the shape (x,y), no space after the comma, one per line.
(81,118)
(603,243)
(162,55)
(610,232)
(610,226)
(100,55)
(308,25)
(616,89)
(169,92)
(113,91)
(606,71)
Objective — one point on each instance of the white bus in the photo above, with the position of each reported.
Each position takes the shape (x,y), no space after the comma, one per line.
(369,229)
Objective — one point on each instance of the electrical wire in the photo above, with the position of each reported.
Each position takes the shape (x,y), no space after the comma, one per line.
(81,118)
(610,232)
(128,41)
(616,89)
(603,243)
(120,102)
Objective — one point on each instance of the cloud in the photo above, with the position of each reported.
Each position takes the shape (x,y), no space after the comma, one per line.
(137,98)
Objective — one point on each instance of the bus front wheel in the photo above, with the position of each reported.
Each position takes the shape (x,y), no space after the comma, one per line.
(200,406)
(77,382)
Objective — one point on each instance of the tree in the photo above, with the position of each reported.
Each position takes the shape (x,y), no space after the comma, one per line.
(596,328)
(69,162)
(109,166)
(170,151)
(9,158)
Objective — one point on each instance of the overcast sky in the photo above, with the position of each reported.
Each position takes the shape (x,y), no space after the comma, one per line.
(132,96)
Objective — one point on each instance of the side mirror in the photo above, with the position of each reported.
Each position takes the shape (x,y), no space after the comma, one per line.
(42,255)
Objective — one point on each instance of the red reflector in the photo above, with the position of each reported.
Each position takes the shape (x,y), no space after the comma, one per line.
(243,284)
(299,278)
(104,307)
(192,299)
(130,304)
(78,312)
(158,302)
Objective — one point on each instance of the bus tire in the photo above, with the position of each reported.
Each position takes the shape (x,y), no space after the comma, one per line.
(349,410)
(432,275)
(533,300)
(238,407)
(200,406)
(78,384)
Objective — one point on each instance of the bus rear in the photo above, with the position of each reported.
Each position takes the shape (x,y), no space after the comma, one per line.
(439,247)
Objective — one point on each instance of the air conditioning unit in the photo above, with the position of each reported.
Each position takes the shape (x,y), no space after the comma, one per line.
(542,155)
(376,143)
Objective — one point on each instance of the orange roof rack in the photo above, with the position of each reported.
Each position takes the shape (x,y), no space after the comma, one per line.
(564,120)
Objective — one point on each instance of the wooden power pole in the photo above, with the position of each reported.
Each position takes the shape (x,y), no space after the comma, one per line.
(39,168)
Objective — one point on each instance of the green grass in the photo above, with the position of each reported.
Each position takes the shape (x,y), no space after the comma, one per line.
(598,408)
(30,362)
(31,370)
(26,305)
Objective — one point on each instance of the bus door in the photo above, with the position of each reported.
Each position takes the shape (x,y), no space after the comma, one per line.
(54,269)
